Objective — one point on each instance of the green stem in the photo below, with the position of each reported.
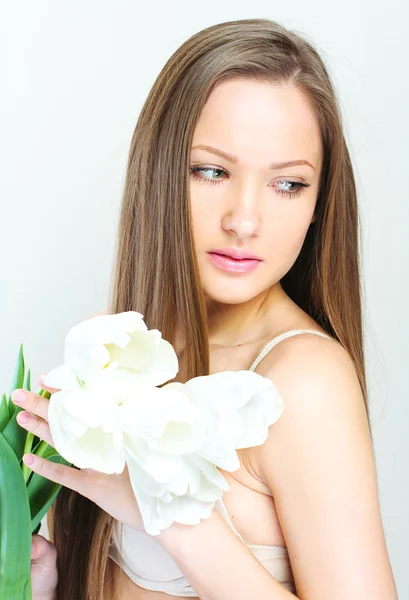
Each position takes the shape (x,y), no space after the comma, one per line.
(27,447)
(42,448)
(29,443)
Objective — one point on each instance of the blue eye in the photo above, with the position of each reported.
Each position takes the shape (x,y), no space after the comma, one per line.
(196,170)
(296,190)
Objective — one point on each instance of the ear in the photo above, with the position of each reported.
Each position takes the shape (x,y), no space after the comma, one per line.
(313,218)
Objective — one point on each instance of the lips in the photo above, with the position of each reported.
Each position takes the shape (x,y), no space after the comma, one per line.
(229,263)
(235,253)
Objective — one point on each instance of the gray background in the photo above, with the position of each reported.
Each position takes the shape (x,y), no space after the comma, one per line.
(74,78)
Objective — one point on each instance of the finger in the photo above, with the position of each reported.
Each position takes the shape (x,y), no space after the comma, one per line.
(42,549)
(43,568)
(85,483)
(32,402)
(45,387)
(35,425)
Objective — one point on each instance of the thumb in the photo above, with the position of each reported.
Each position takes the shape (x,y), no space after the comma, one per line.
(42,550)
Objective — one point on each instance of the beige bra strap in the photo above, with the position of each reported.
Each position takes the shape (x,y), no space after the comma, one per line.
(266,349)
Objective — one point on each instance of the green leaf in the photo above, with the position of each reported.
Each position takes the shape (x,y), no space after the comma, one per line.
(27,382)
(15,435)
(36,440)
(15,528)
(4,412)
(18,377)
(37,529)
(41,491)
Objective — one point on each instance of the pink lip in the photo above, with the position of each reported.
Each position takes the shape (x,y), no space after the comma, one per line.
(233,265)
(235,253)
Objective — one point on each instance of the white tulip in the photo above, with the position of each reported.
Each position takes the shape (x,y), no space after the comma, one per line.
(188,498)
(92,425)
(109,413)
(235,410)
(106,358)
(237,407)
(120,341)
(165,418)
(86,429)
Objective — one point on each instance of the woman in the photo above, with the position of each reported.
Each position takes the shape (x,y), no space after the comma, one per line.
(239,223)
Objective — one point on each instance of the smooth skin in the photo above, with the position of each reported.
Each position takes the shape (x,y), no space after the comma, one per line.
(43,572)
(317,461)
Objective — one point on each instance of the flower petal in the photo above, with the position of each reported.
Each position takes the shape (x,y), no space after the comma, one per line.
(86,344)
(227,391)
(264,409)
(165,418)
(187,510)
(60,378)
(149,355)
(244,404)
(209,472)
(158,515)
(225,458)
(85,433)
(163,468)
(144,480)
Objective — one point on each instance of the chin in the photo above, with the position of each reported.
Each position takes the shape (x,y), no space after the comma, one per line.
(224,293)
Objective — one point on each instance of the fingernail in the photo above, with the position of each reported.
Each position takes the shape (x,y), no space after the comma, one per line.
(23,417)
(41,380)
(28,459)
(18,396)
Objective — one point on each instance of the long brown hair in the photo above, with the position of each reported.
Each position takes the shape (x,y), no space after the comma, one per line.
(156,272)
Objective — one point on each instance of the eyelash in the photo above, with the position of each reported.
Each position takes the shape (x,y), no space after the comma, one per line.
(196,170)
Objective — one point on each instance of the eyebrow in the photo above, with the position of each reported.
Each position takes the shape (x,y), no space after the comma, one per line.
(233,159)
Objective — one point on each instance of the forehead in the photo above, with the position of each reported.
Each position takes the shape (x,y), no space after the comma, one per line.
(260,122)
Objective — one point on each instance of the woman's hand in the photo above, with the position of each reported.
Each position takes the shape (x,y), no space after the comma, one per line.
(44,575)
(113,493)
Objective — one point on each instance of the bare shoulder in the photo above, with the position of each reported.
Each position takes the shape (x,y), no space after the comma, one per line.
(317,381)
(319,464)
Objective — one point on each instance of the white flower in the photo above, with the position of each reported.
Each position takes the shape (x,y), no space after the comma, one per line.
(165,418)
(120,341)
(93,425)
(106,359)
(86,429)
(238,407)
(235,409)
(188,498)
(109,413)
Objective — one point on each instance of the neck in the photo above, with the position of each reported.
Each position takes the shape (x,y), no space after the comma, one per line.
(233,324)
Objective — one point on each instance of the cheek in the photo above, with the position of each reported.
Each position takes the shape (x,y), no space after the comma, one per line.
(205,221)
(284,225)
(284,242)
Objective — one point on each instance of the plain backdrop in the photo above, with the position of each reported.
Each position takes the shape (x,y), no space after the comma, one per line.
(74,76)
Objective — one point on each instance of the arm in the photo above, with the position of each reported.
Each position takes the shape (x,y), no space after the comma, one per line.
(318,463)
(217,564)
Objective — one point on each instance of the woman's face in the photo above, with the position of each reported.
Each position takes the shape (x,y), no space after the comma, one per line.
(243,201)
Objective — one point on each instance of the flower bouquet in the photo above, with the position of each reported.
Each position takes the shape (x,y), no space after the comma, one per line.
(110,413)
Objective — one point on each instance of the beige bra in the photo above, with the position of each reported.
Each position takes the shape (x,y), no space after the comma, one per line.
(146,562)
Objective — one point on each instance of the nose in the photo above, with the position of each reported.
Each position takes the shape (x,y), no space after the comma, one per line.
(242,216)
